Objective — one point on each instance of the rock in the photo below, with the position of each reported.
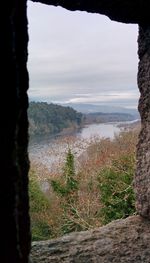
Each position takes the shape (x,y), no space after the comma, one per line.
(125,11)
(142,175)
(122,241)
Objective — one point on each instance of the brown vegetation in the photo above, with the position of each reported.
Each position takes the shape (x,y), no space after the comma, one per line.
(84,212)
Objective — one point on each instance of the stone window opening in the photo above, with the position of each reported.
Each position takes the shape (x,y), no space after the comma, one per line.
(15,222)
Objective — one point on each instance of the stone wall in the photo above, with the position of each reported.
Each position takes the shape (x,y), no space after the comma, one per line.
(125,11)
(14,203)
(122,241)
(142,176)
(14,164)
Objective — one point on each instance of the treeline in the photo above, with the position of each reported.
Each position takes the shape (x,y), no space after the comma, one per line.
(51,118)
(101,117)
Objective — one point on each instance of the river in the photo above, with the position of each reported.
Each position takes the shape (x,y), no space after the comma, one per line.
(104,130)
(50,152)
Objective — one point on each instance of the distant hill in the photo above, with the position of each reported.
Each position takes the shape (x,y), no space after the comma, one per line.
(100,117)
(48,119)
(92,108)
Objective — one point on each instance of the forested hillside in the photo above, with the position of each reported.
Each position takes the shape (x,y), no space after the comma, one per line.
(50,119)
(101,117)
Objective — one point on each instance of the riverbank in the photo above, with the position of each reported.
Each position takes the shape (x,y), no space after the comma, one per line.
(136,124)
(49,151)
(103,173)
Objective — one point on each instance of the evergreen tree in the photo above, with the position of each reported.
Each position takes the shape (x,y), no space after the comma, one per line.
(69,193)
(71,184)
(69,172)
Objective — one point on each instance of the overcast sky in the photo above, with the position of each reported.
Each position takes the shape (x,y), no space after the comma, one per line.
(81,57)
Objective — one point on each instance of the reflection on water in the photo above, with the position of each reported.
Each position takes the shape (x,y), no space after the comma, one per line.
(50,151)
(104,130)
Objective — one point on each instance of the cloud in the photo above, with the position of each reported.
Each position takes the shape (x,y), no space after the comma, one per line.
(74,53)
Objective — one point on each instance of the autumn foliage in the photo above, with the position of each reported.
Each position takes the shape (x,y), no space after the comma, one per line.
(87,190)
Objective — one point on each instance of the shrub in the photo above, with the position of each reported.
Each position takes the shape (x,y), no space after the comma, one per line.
(67,189)
(116,193)
(39,208)
(98,191)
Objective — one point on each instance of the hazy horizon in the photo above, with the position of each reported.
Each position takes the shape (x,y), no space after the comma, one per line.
(76,57)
